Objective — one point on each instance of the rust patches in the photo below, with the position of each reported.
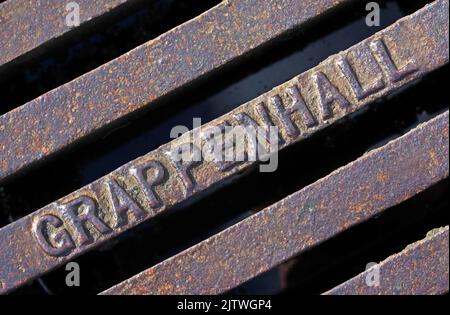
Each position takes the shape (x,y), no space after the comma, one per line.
(382,178)
(26,25)
(296,223)
(137,78)
(188,52)
(359,208)
(143,188)
(422,268)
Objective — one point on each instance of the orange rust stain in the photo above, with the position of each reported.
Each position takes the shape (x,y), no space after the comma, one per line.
(434,161)
(382,178)
(360,207)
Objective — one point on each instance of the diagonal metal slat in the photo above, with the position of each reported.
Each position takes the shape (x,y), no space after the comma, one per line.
(155,69)
(153,183)
(420,269)
(26,25)
(381,179)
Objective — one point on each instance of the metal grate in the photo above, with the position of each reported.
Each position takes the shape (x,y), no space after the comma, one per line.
(274,230)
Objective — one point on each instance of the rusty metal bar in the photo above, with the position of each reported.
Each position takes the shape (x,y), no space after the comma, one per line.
(350,195)
(26,25)
(135,80)
(155,182)
(422,268)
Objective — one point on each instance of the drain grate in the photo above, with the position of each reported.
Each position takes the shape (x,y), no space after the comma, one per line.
(427,259)
(156,185)
(350,195)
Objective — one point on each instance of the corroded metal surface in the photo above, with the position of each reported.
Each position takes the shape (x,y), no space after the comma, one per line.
(154,183)
(155,69)
(27,24)
(348,196)
(420,269)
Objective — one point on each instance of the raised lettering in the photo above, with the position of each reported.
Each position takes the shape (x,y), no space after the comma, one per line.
(328,95)
(284,114)
(219,145)
(245,120)
(383,56)
(80,211)
(185,157)
(351,76)
(122,204)
(141,174)
(56,244)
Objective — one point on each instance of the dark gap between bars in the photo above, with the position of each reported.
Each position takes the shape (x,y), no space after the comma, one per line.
(314,158)
(92,44)
(84,164)
(346,255)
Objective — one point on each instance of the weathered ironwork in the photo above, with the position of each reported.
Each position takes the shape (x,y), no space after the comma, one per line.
(154,183)
(137,79)
(352,194)
(26,25)
(422,268)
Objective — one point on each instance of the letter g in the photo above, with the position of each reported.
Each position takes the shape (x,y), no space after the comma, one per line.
(62,240)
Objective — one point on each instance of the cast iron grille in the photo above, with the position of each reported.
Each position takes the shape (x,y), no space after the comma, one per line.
(88,172)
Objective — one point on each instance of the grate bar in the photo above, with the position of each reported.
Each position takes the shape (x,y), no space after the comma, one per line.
(79,108)
(154,183)
(420,269)
(22,20)
(350,195)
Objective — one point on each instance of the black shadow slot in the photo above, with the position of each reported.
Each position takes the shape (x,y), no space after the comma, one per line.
(346,255)
(84,164)
(312,159)
(94,43)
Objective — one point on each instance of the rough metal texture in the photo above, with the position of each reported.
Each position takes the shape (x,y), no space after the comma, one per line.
(154,183)
(350,195)
(420,269)
(62,116)
(27,24)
